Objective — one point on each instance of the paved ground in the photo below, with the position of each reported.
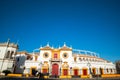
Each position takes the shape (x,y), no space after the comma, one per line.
(16,78)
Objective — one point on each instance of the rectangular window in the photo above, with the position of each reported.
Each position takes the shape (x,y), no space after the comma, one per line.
(55,55)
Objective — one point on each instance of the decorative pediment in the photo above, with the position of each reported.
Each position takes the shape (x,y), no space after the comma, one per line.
(65,48)
(46,48)
(45,64)
(65,65)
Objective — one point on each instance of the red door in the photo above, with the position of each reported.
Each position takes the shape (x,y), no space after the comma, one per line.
(75,72)
(55,69)
(44,70)
(84,71)
(65,71)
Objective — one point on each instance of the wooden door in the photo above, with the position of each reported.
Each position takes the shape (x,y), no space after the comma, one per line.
(65,71)
(76,72)
(84,71)
(55,68)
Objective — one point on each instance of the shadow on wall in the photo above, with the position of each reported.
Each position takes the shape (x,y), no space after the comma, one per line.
(118,66)
(19,65)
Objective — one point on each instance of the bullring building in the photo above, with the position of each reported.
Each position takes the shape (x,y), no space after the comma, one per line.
(63,61)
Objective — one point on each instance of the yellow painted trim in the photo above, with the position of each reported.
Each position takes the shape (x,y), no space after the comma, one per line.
(63,71)
(58,54)
(110,75)
(65,76)
(14,75)
(44,68)
(85,76)
(46,77)
(45,65)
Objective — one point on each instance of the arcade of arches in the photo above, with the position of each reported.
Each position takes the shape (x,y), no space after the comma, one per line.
(65,70)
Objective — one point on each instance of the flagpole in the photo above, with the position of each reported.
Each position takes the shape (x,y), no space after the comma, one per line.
(5,54)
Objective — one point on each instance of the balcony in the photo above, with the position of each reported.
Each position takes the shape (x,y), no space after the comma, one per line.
(55,59)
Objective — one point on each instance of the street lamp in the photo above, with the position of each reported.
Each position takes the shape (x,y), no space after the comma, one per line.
(40,67)
(89,65)
(60,70)
(70,70)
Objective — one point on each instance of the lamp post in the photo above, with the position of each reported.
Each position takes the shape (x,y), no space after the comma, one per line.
(89,65)
(70,70)
(40,67)
(105,70)
(60,71)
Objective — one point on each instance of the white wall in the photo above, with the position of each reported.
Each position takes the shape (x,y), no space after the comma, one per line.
(41,58)
(20,62)
(3,50)
(7,63)
(69,59)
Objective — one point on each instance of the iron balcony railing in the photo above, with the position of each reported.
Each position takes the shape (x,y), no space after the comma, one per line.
(55,59)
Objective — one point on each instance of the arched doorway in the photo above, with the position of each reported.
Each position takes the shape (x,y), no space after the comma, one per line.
(101,70)
(94,71)
(55,68)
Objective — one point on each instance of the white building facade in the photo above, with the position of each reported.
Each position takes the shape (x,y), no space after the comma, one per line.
(63,61)
(7,54)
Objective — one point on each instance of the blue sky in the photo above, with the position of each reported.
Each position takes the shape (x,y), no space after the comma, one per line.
(92,25)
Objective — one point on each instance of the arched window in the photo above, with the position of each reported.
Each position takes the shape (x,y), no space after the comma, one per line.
(18,59)
(11,56)
(83,59)
(111,70)
(29,57)
(107,70)
(75,59)
(92,59)
(80,59)
(89,59)
(86,59)
(8,53)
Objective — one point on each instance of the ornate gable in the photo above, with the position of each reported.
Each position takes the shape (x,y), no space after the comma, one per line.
(65,48)
(46,48)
